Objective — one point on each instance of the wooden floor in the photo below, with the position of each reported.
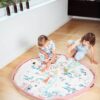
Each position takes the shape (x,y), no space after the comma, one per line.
(72,30)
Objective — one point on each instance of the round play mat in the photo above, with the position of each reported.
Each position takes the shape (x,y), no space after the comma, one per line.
(63,80)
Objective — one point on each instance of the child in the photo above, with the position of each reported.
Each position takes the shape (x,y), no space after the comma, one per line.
(78,49)
(47,50)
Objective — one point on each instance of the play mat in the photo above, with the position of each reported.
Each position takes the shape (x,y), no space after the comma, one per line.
(62,81)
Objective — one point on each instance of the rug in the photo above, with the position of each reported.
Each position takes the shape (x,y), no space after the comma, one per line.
(62,81)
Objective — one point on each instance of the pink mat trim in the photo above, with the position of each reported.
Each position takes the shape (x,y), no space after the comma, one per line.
(69,97)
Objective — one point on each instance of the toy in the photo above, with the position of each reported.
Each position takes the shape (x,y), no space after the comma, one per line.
(65,70)
(35,64)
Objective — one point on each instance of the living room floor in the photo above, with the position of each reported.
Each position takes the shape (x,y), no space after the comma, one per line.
(74,29)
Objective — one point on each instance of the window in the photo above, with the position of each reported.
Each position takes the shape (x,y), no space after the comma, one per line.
(4,3)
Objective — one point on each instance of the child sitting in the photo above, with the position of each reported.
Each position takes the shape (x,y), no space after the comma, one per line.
(47,52)
(78,49)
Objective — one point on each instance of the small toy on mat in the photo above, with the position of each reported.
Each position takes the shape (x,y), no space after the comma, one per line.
(65,70)
(36,64)
(47,79)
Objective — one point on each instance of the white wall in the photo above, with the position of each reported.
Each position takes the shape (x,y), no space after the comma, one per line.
(18,34)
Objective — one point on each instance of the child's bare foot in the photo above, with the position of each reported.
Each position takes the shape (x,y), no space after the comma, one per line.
(47,67)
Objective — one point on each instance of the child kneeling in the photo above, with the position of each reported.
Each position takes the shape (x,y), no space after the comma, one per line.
(78,49)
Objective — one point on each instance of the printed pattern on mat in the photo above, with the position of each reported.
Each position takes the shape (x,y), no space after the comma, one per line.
(63,78)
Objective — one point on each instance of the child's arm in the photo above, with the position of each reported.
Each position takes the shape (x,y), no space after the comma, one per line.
(52,60)
(45,58)
(53,56)
(92,55)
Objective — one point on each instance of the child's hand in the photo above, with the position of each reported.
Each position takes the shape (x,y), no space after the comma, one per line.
(46,60)
(43,70)
(46,67)
(95,62)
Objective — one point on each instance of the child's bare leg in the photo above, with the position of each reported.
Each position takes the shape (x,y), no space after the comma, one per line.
(71,54)
(91,60)
(69,45)
(51,61)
